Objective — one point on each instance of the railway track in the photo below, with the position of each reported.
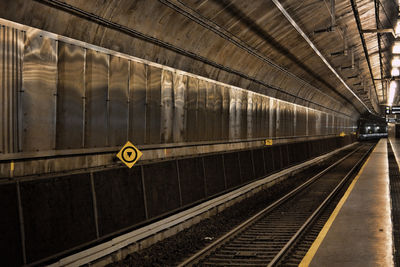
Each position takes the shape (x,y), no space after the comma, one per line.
(272,235)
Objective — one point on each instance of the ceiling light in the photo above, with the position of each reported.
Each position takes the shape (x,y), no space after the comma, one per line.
(396,62)
(396,48)
(397,28)
(392,92)
(395,72)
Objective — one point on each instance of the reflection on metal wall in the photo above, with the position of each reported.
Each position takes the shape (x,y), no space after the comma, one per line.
(39,90)
(96,96)
(70,96)
(11,54)
(118,99)
(79,96)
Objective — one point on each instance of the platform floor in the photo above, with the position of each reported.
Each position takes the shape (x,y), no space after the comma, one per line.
(359,232)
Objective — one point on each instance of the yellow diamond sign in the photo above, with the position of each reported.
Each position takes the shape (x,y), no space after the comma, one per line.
(129,154)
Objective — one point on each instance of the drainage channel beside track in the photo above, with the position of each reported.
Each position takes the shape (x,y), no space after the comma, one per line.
(272,236)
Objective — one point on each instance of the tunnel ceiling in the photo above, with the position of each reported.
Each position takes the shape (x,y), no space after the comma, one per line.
(249,44)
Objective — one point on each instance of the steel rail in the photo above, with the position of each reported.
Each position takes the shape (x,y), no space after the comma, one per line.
(316,213)
(220,241)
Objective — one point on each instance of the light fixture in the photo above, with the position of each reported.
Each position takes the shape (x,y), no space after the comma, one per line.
(392,92)
(396,62)
(395,72)
(396,47)
(397,28)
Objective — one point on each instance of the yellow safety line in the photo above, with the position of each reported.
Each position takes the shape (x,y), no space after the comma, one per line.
(314,247)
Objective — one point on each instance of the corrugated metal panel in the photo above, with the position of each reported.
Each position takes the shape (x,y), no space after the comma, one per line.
(137,102)
(254,115)
(225,112)
(322,124)
(192,109)
(282,119)
(247,123)
(259,116)
(201,114)
(153,107)
(11,54)
(318,122)
(70,96)
(218,112)
(272,117)
(278,122)
(239,113)
(249,118)
(39,93)
(265,121)
(118,86)
(180,89)
(301,121)
(167,107)
(96,126)
(330,124)
(291,119)
(311,122)
(232,114)
(210,114)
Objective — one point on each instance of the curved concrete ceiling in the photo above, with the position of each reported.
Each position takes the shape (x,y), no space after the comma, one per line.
(249,44)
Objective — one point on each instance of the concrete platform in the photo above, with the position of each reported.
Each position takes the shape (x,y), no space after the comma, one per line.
(359,232)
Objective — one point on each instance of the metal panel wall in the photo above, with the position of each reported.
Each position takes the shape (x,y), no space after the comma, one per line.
(232,114)
(301,121)
(118,86)
(218,112)
(272,117)
(96,106)
(167,107)
(137,102)
(278,122)
(153,107)
(201,113)
(225,112)
(192,109)
(323,122)
(73,97)
(11,55)
(180,89)
(318,121)
(239,113)
(311,122)
(265,121)
(70,96)
(210,114)
(39,88)
(249,119)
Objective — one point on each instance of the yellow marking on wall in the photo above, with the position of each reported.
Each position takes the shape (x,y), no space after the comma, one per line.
(12,166)
(317,242)
(268,142)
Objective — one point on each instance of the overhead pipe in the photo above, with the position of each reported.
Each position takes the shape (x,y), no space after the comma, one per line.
(312,45)
(333,16)
(333,20)
(377,20)
(359,27)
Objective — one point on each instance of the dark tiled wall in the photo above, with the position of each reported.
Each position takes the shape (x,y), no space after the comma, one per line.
(70,211)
